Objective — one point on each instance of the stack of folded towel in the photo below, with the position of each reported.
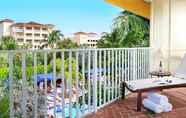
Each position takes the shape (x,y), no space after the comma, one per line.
(157,103)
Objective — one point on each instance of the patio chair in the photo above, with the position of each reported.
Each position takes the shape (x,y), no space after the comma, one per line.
(178,79)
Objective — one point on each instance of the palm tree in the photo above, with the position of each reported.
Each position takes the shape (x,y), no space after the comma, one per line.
(110,40)
(8,43)
(53,37)
(132,29)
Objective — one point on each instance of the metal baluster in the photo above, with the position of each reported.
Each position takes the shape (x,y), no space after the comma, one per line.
(128,68)
(116,73)
(113,74)
(100,76)
(24,96)
(54,77)
(70,83)
(109,76)
(105,78)
(63,83)
(83,74)
(89,83)
(46,86)
(141,64)
(95,81)
(11,97)
(119,74)
(35,85)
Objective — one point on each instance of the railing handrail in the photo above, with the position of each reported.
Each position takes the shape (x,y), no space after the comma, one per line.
(73,49)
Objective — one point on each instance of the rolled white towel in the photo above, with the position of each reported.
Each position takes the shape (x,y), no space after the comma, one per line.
(157,98)
(167,107)
(152,106)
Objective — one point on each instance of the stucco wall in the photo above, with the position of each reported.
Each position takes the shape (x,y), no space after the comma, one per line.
(168,32)
(1,30)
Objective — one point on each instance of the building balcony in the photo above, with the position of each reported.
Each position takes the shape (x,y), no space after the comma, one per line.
(19,30)
(92,87)
(94,77)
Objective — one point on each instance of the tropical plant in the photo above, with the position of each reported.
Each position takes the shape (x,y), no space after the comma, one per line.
(8,43)
(132,29)
(53,37)
(129,30)
(110,40)
(66,68)
(66,43)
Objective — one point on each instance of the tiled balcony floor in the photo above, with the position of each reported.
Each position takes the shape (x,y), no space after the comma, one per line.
(127,108)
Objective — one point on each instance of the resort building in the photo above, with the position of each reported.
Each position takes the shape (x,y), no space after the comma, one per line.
(31,33)
(86,39)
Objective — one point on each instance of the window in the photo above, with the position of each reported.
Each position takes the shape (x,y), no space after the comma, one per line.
(44,35)
(29,28)
(28,34)
(44,29)
(36,28)
(20,40)
(37,40)
(29,40)
(37,35)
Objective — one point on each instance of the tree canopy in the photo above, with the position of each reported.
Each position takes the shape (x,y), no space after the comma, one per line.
(129,30)
(53,37)
(8,43)
(66,43)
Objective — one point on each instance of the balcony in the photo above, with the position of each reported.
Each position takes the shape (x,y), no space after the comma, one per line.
(69,83)
(19,30)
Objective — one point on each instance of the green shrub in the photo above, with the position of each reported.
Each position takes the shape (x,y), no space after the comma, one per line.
(4,107)
(3,73)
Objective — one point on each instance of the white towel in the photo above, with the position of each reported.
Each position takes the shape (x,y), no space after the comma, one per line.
(157,98)
(152,106)
(167,107)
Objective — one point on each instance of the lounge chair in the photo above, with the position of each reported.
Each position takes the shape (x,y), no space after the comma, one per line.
(178,79)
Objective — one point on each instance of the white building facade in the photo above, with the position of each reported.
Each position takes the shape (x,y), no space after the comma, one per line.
(31,33)
(86,39)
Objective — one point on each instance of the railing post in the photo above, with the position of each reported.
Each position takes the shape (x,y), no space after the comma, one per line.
(63,83)
(35,85)
(24,85)
(95,82)
(11,97)
(45,71)
(54,80)
(133,64)
(77,85)
(70,84)
(89,81)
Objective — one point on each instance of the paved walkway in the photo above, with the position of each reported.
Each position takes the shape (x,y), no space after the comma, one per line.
(127,108)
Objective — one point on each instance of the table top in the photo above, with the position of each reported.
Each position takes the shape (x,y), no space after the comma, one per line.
(160,73)
(145,84)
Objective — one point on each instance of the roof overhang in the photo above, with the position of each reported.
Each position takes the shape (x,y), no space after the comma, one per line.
(139,7)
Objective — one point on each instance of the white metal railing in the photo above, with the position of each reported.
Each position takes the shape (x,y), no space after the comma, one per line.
(70,82)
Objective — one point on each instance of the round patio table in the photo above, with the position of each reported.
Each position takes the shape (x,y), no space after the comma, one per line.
(160,73)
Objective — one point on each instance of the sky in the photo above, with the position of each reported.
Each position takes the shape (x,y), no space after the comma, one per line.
(69,16)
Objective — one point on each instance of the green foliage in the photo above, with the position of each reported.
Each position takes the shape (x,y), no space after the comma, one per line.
(66,68)
(8,43)
(129,30)
(3,73)
(4,106)
(53,37)
(66,44)
(110,40)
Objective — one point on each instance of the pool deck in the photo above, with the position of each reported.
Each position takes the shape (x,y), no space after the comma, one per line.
(127,108)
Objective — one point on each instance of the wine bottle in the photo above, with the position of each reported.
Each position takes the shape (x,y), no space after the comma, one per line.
(160,66)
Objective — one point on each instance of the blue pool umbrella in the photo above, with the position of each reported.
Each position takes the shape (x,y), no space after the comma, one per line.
(41,77)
